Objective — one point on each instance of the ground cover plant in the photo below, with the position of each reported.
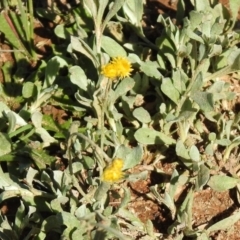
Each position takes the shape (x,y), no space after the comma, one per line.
(120,106)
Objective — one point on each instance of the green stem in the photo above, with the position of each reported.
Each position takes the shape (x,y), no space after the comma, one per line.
(224,71)
(228,150)
(24,20)
(189,87)
(5,5)
(31,19)
(98,34)
(94,145)
(20,130)
(183,127)
(104,109)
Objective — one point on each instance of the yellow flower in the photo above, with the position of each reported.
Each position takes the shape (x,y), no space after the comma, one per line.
(109,71)
(117,163)
(123,66)
(113,172)
(119,67)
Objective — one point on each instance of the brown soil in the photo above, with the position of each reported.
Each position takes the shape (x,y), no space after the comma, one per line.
(210,207)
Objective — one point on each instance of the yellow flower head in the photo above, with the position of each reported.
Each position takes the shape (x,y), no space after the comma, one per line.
(117,163)
(109,71)
(123,66)
(113,172)
(119,67)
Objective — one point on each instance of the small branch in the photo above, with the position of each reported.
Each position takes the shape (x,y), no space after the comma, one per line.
(11,50)
(98,149)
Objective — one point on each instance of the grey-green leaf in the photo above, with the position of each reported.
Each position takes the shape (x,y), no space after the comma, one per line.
(194,153)
(78,77)
(114,9)
(79,45)
(151,136)
(222,183)
(3,107)
(124,86)
(234,6)
(151,69)
(5,144)
(142,115)
(197,85)
(133,158)
(204,100)
(112,48)
(126,199)
(226,223)
(181,150)
(169,90)
(28,89)
(61,32)
(92,7)
(203,176)
(52,69)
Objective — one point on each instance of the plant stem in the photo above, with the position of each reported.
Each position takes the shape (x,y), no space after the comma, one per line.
(104,109)
(228,150)
(224,71)
(31,19)
(24,20)
(94,145)
(189,87)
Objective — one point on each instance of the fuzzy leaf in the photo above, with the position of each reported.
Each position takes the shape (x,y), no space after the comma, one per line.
(179,79)
(133,158)
(114,9)
(234,6)
(197,85)
(124,86)
(194,153)
(202,5)
(123,213)
(222,183)
(204,100)
(142,115)
(40,158)
(52,69)
(20,214)
(61,32)
(37,119)
(112,48)
(181,150)
(80,46)
(92,7)
(126,199)
(82,211)
(226,223)
(169,90)
(195,19)
(203,176)
(28,89)
(3,107)
(151,69)
(78,77)
(5,144)
(150,136)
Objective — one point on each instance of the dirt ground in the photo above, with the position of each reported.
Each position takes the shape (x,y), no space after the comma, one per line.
(208,206)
